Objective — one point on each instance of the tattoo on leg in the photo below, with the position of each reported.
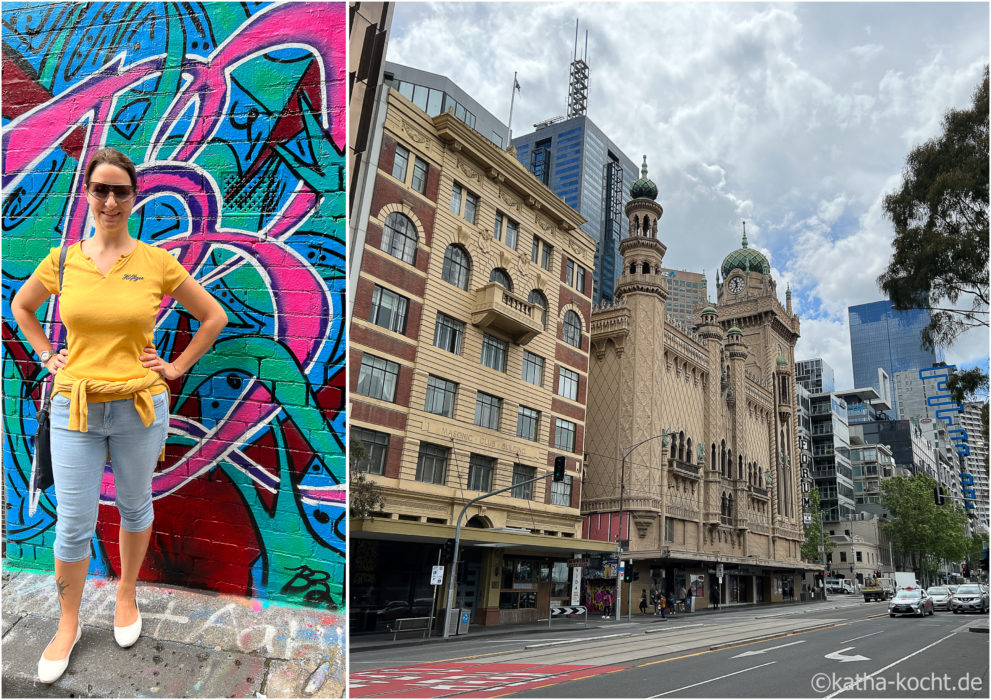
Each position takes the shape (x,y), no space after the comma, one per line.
(61,587)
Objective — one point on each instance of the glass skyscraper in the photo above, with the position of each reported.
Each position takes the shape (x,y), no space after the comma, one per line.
(588,171)
(883,338)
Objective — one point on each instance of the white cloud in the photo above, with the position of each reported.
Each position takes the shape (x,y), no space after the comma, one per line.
(796,118)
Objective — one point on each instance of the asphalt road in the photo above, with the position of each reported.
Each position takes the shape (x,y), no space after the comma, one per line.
(857,651)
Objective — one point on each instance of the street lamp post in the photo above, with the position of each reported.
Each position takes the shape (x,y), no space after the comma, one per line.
(626,451)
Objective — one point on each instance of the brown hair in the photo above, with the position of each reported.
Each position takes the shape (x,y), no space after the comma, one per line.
(111,156)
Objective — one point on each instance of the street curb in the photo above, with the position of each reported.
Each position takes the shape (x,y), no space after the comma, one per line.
(979,629)
(456,638)
(769,637)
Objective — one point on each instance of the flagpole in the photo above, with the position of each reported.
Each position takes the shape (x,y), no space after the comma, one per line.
(512,99)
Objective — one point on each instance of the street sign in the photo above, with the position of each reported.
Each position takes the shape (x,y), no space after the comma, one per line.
(719,571)
(437,576)
(820,549)
(576,585)
(807,518)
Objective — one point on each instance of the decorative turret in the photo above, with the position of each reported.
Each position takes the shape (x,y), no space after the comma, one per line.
(788,298)
(734,344)
(644,188)
(642,251)
(746,259)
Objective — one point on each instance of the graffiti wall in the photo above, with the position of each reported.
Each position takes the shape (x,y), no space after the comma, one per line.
(235,116)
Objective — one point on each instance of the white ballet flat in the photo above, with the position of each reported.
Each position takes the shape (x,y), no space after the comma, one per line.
(50,671)
(127,636)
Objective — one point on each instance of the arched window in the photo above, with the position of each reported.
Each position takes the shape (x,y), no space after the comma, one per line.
(688,452)
(502,277)
(681,446)
(457,266)
(722,504)
(645,269)
(739,467)
(399,237)
(572,333)
(713,464)
(674,446)
(538,299)
(633,268)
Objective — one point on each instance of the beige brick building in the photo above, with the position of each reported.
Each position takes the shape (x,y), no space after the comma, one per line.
(468,370)
(722,493)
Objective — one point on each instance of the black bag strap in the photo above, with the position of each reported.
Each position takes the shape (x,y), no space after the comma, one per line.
(61,273)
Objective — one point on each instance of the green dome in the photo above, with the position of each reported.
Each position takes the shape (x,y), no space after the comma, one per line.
(746,259)
(644,188)
(708,310)
(734,331)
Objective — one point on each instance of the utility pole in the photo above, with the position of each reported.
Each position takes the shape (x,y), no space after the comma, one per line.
(622,486)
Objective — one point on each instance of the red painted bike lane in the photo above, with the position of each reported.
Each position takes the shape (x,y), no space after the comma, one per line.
(465,680)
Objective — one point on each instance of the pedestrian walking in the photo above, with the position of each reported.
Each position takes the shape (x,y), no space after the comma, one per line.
(109,398)
(714,597)
(606,604)
(688,600)
(663,603)
(643,602)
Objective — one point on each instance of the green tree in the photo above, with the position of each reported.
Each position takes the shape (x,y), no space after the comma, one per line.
(813,532)
(940,216)
(364,497)
(921,530)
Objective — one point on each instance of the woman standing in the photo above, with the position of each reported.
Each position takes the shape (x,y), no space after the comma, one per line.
(110,396)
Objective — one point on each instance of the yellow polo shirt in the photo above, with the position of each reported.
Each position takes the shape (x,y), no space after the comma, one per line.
(110,319)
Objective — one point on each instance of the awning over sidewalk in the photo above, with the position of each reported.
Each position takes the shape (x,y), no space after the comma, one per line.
(516,540)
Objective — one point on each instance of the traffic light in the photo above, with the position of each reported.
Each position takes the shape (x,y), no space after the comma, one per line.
(628,572)
(559,464)
(938,495)
(447,553)
(964,571)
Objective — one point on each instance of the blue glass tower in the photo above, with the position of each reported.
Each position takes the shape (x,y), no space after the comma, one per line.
(589,172)
(881,337)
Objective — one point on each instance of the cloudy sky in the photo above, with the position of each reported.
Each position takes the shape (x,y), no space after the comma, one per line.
(794,117)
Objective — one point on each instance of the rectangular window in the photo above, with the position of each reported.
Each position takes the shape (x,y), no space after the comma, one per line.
(494,352)
(533,368)
(440,396)
(419,182)
(564,435)
(377,378)
(575,274)
(497,227)
(540,253)
(561,492)
(431,464)
(567,384)
(471,207)
(400,163)
(389,309)
(448,333)
(376,446)
(527,423)
(457,192)
(522,474)
(669,529)
(842,556)
(487,409)
(480,470)
(464,201)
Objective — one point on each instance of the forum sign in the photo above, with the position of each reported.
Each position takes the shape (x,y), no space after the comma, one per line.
(957,435)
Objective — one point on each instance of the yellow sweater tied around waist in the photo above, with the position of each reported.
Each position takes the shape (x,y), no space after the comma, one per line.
(78,389)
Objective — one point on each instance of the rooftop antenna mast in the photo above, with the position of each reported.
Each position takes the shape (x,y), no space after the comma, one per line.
(578,86)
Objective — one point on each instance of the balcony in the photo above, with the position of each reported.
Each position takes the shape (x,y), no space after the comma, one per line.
(758,491)
(684,468)
(498,309)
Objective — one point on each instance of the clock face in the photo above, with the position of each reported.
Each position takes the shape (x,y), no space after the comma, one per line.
(736,285)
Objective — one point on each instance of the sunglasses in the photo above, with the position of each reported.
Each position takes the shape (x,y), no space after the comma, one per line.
(121,193)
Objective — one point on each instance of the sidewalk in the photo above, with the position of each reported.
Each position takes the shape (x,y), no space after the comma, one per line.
(596,625)
(193,644)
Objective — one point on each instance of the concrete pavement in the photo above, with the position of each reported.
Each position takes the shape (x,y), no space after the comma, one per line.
(193,644)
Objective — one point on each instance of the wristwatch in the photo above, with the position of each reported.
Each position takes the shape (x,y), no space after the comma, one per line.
(46,356)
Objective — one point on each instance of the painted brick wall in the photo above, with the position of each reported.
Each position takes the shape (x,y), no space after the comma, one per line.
(235,115)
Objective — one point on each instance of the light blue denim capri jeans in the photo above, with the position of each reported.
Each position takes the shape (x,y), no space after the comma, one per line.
(78,461)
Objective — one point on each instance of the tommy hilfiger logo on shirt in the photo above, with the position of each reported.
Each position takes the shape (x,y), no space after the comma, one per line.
(132,278)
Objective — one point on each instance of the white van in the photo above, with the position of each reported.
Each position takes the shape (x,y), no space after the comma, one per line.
(839,585)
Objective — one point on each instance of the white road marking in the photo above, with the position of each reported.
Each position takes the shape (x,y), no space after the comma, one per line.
(717,678)
(764,651)
(860,680)
(860,637)
(842,658)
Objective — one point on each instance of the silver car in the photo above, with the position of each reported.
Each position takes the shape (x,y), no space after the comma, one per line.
(941,597)
(970,597)
(914,601)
